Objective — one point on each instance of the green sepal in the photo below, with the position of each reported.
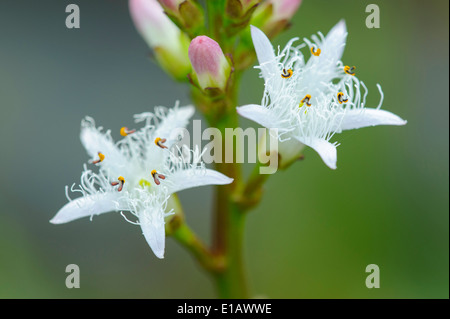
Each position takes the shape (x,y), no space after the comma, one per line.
(193,17)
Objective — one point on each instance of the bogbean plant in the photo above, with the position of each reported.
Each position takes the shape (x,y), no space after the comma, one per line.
(309,95)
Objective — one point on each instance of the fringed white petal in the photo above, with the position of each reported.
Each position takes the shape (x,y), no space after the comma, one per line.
(264,52)
(263,47)
(175,119)
(326,150)
(86,206)
(94,141)
(358,118)
(152,225)
(190,178)
(320,71)
(257,113)
(334,44)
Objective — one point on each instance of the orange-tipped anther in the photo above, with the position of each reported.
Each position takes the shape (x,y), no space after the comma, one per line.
(101,157)
(124,131)
(349,70)
(287,73)
(306,100)
(157,177)
(341,99)
(314,51)
(121,182)
(160,142)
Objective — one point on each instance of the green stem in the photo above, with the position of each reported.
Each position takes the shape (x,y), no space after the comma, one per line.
(215,10)
(229,214)
(228,236)
(229,220)
(231,282)
(250,194)
(184,235)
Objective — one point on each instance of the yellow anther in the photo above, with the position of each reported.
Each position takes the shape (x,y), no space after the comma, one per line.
(349,70)
(306,100)
(124,131)
(314,51)
(287,73)
(160,142)
(121,182)
(101,157)
(341,99)
(157,176)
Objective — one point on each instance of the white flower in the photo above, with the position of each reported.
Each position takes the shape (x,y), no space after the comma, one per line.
(310,101)
(139,173)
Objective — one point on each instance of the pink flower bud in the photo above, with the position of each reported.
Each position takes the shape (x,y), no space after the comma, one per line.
(284,9)
(272,16)
(209,63)
(151,22)
(162,35)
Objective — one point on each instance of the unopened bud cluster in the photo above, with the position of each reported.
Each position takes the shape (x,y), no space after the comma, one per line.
(189,50)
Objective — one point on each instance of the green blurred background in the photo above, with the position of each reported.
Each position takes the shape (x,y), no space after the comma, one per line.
(315,230)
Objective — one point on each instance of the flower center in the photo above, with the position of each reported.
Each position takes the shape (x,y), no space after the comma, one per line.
(144,183)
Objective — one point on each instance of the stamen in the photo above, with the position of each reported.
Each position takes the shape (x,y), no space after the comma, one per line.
(341,99)
(101,157)
(349,70)
(287,74)
(160,142)
(120,182)
(306,100)
(314,51)
(157,176)
(124,131)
